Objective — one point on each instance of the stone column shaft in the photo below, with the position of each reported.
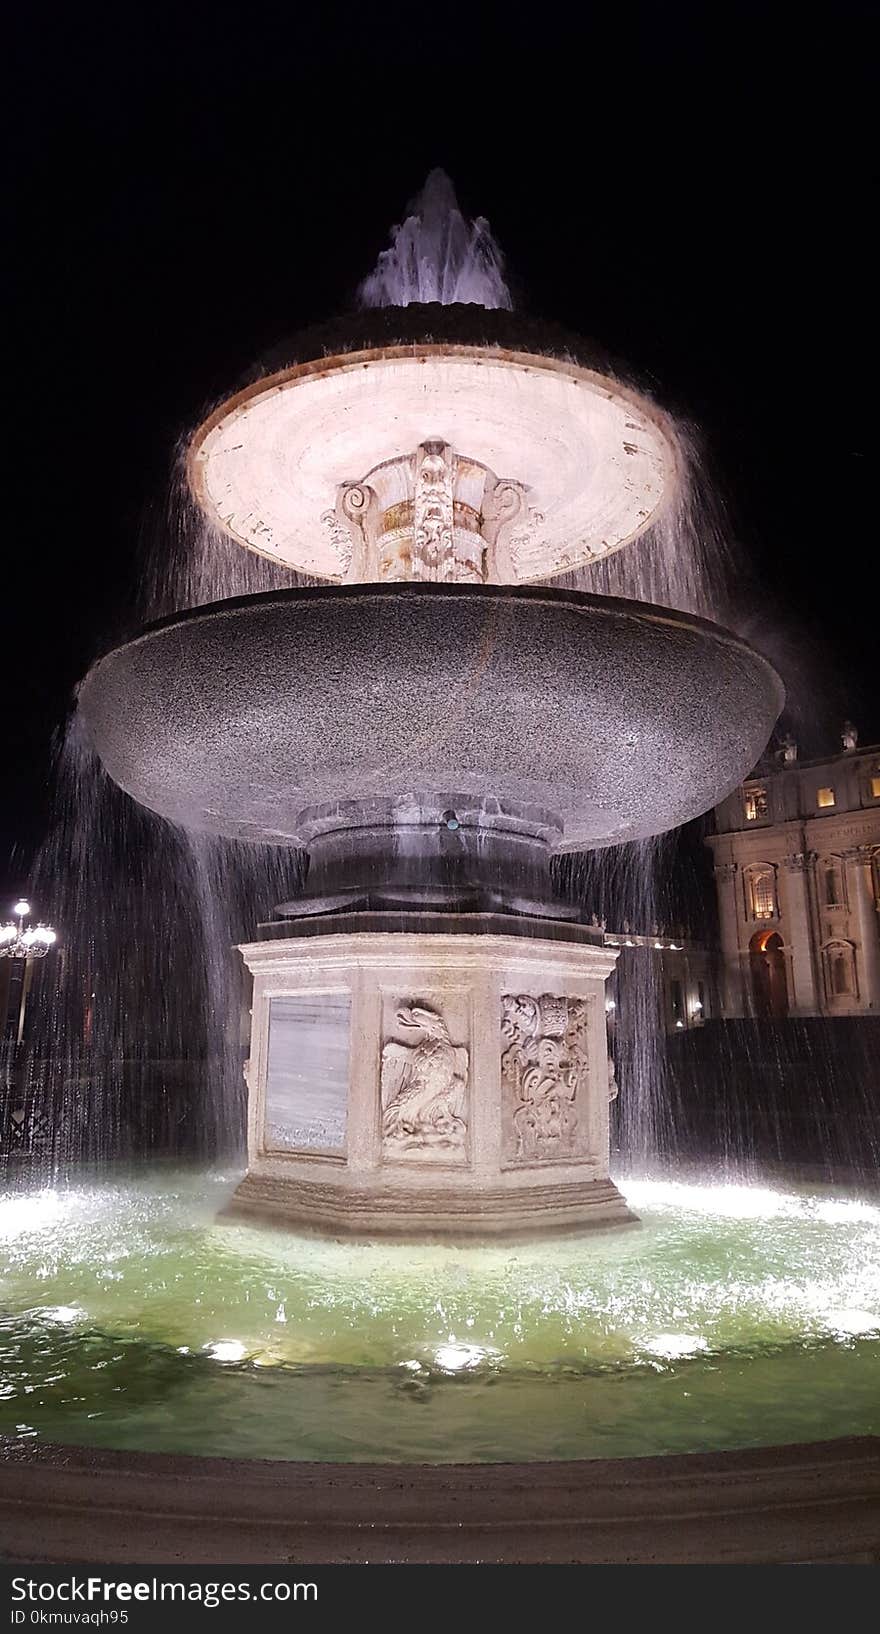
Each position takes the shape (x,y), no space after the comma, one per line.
(803,975)
(726,874)
(858,866)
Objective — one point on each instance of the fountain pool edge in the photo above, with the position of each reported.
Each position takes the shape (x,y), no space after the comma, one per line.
(808,1503)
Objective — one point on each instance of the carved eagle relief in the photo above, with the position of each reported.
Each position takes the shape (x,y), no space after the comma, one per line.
(424,1085)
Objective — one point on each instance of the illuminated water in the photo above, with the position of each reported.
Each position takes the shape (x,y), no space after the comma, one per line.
(438,255)
(731,1316)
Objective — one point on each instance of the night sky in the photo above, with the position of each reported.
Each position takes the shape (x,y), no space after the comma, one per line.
(691,186)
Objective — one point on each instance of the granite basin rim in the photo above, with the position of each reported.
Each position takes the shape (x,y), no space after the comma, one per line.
(622,718)
(767,1504)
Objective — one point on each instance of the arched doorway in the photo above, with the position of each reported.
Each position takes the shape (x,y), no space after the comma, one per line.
(769,981)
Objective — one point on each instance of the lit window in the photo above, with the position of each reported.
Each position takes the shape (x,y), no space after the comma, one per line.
(762,889)
(875,788)
(756,804)
(825,797)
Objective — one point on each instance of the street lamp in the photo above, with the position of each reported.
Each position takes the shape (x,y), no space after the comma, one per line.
(16,942)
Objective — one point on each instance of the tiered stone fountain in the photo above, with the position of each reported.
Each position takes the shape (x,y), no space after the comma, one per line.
(432,722)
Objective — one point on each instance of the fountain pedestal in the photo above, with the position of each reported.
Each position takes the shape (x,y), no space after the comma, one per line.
(429,1084)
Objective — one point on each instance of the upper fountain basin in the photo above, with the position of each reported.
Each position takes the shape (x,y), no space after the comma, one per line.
(517,404)
(620,719)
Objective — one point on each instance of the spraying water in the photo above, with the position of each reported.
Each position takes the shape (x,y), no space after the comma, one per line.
(438,255)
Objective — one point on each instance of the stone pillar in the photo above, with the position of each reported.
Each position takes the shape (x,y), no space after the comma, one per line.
(861,895)
(804,998)
(726,874)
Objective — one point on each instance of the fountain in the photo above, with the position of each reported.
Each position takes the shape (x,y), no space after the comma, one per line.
(433,722)
(433,706)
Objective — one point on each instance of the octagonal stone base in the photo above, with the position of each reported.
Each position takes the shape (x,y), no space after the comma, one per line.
(429,1085)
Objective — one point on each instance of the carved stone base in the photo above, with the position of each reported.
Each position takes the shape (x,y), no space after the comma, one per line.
(425,1214)
(428,1085)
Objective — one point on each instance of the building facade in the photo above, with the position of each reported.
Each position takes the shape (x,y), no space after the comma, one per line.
(675,978)
(797,871)
(690,996)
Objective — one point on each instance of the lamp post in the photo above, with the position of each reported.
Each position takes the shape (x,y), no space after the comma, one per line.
(16,942)
(24,942)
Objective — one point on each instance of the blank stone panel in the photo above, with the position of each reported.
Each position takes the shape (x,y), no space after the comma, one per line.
(308,1074)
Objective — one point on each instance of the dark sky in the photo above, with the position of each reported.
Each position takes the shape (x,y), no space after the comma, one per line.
(693,186)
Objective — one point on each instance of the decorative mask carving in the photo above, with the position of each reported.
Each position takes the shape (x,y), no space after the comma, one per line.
(424,1086)
(434,515)
(433,555)
(544,1069)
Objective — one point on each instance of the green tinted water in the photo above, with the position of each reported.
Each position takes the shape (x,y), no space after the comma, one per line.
(730,1316)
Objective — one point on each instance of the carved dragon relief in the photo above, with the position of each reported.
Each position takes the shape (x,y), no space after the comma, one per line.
(424,1087)
(544,1072)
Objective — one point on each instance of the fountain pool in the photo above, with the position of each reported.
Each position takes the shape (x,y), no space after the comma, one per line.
(733,1316)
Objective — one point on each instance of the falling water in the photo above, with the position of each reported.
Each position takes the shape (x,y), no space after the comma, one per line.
(235,885)
(188,563)
(117,1049)
(139,1044)
(438,255)
(624,886)
(686,559)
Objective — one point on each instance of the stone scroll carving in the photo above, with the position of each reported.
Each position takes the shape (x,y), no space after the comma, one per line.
(424,1086)
(544,1072)
(509,525)
(352,525)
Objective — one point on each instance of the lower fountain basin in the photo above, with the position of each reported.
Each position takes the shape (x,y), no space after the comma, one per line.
(732,1316)
(203,1393)
(619,719)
